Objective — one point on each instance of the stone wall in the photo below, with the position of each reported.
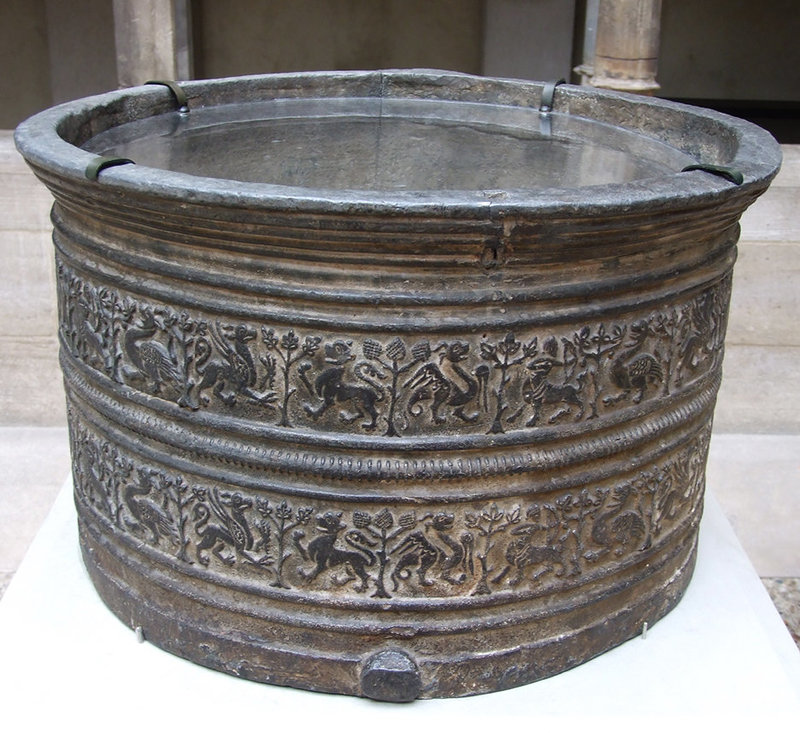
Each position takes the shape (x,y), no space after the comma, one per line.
(53,51)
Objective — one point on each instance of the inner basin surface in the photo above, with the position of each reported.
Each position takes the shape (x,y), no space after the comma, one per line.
(391,145)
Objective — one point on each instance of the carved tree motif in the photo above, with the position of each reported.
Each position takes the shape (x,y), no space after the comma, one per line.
(503,356)
(124,310)
(284,348)
(184,332)
(593,349)
(396,355)
(90,327)
(671,329)
(573,514)
(283,519)
(379,527)
(487,524)
(183,498)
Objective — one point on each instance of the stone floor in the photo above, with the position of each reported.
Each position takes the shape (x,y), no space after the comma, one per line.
(754,466)
(785,594)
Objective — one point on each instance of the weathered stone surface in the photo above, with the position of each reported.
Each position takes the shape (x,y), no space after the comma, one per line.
(34,463)
(765,296)
(27,308)
(755,478)
(35,391)
(760,391)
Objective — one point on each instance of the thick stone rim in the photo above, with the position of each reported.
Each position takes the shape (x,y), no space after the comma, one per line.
(44,141)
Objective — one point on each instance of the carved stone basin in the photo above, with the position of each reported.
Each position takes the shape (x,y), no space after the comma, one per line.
(391,383)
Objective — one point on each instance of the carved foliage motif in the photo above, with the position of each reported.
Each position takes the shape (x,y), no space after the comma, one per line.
(384,551)
(393,386)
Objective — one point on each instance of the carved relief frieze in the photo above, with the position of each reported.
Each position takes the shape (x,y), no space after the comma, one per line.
(392,385)
(385,551)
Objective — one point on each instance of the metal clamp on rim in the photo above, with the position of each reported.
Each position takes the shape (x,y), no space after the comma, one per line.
(101,163)
(180,96)
(729,174)
(548,95)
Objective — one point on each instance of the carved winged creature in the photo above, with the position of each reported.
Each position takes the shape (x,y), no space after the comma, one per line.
(442,551)
(430,383)
(618,527)
(634,370)
(231,529)
(148,513)
(234,374)
(154,361)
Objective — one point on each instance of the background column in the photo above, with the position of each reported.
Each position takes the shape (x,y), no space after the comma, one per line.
(153,39)
(626,48)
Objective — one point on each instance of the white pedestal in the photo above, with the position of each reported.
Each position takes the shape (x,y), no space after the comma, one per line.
(66,661)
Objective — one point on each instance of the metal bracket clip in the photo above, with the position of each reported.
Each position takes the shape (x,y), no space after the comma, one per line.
(100,163)
(548,95)
(180,96)
(729,174)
